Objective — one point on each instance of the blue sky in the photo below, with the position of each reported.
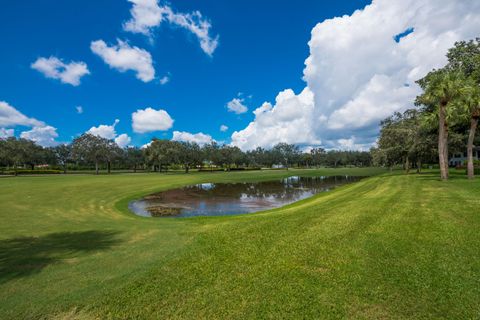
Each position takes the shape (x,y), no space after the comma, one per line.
(261,51)
(355,75)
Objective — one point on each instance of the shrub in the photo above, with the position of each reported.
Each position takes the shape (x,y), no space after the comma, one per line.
(26,171)
(210,169)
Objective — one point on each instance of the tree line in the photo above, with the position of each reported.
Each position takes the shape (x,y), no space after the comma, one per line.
(90,151)
(446,118)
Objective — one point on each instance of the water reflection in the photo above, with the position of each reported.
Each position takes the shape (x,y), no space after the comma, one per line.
(216,199)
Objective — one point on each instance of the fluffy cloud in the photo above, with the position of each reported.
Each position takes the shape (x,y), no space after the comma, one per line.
(223,128)
(11,117)
(359,73)
(55,68)
(237,106)
(123,140)
(108,132)
(44,136)
(149,120)
(200,138)
(148,15)
(41,133)
(5,133)
(105,131)
(123,57)
(289,120)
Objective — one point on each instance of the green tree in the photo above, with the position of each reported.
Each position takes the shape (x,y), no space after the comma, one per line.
(63,154)
(90,148)
(440,90)
(465,56)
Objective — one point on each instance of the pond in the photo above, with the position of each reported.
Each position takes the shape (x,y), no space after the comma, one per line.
(219,199)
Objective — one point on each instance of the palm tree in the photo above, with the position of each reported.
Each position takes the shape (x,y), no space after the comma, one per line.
(441,89)
(465,57)
(468,105)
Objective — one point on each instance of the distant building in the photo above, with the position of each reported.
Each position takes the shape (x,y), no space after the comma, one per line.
(460,159)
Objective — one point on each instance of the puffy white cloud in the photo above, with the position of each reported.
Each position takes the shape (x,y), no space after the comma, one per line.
(105,131)
(123,140)
(5,133)
(148,14)
(124,57)
(149,120)
(55,68)
(44,136)
(223,128)
(288,121)
(200,138)
(109,132)
(237,106)
(146,145)
(359,74)
(11,117)
(79,109)
(41,133)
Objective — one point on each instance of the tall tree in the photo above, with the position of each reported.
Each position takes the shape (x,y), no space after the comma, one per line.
(465,56)
(90,148)
(441,88)
(63,154)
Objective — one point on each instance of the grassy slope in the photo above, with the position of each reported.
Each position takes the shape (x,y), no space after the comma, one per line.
(386,247)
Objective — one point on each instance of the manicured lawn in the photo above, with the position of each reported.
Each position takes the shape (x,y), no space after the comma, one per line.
(390,247)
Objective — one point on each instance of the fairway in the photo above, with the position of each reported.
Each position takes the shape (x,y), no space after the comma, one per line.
(390,246)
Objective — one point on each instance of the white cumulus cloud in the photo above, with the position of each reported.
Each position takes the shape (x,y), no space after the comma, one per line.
(237,106)
(55,68)
(105,131)
(5,133)
(123,140)
(149,14)
(11,117)
(109,132)
(223,128)
(124,57)
(149,120)
(359,74)
(44,136)
(200,138)
(289,120)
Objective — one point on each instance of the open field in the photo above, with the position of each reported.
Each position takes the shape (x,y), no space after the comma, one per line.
(388,247)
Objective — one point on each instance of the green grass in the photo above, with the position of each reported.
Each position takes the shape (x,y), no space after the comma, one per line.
(387,247)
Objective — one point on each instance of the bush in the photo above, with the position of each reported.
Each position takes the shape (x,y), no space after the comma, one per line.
(245,169)
(210,169)
(26,171)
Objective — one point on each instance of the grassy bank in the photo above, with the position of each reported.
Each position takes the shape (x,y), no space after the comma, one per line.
(390,246)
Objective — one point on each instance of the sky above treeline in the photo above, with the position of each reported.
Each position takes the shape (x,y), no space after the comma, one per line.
(248,73)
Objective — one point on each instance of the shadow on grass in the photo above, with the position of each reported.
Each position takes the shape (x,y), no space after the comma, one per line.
(20,257)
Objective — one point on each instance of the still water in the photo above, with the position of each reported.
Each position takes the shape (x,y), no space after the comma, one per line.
(219,199)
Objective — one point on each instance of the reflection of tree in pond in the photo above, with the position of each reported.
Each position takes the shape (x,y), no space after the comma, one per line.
(210,199)
(280,191)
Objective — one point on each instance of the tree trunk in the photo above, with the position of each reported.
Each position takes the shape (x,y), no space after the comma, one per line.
(64,169)
(407,165)
(419,166)
(471,137)
(96,167)
(135,168)
(32,166)
(442,142)
(186,168)
(108,167)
